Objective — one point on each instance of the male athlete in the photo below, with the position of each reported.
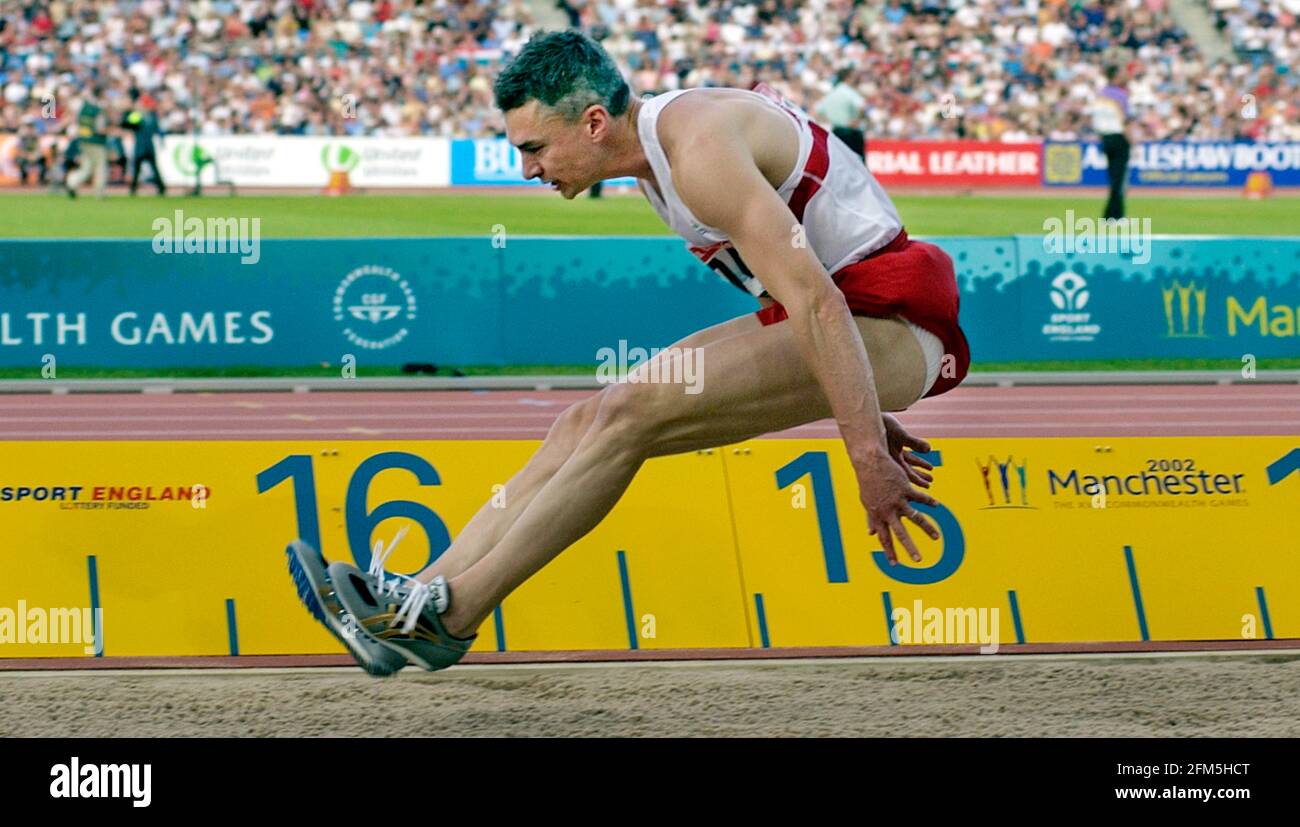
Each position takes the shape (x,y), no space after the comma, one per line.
(855,320)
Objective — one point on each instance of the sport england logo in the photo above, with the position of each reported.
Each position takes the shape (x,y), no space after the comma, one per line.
(1069,292)
(1069,295)
(374,303)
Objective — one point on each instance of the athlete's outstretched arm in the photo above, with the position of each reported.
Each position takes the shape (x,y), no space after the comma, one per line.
(716,176)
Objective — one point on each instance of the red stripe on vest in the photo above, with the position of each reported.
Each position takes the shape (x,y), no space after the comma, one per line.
(819,159)
(706,253)
(814,172)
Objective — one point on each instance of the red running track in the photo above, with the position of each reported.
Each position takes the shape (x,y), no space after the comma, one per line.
(1066,411)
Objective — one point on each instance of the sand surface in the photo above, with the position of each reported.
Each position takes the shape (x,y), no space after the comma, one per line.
(1241,695)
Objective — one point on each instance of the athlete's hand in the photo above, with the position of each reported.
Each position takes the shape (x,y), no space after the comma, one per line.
(888,496)
(917,468)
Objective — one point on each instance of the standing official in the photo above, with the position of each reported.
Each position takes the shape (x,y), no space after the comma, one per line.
(1109,115)
(142,119)
(843,108)
(92,146)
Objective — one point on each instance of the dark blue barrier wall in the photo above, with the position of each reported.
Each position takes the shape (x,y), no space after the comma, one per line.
(1174,163)
(538,301)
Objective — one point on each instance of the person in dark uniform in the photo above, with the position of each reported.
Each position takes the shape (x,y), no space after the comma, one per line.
(67,157)
(117,160)
(142,119)
(1109,115)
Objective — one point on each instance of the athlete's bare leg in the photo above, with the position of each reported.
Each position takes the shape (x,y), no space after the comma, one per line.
(755,382)
(490,524)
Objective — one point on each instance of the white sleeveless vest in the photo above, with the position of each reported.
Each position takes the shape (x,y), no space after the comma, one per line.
(845,213)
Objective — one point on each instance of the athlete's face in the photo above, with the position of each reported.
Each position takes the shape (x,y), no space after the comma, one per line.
(561,153)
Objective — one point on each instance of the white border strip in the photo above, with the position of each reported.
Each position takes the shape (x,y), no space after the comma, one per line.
(589,382)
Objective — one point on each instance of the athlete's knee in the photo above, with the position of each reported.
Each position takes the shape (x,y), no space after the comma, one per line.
(633,413)
(572,423)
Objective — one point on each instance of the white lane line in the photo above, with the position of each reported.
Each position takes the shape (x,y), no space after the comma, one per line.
(428,400)
(272,418)
(984,410)
(370,415)
(1104,424)
(465,668)
(256,434)
(1169,423)
(360,401)
(1173,428)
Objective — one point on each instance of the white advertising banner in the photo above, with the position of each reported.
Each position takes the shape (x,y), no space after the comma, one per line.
(299,161)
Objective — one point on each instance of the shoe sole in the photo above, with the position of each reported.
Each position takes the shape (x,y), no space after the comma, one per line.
(311,579)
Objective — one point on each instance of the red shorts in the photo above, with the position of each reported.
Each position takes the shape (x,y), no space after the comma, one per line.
(912,279)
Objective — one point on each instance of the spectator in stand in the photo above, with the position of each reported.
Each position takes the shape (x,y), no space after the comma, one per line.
(31,156)
(1010,68)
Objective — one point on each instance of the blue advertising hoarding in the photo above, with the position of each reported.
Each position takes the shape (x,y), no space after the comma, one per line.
(465,301)
(1174,163)
(385,301)
(495,162)
(1178,297)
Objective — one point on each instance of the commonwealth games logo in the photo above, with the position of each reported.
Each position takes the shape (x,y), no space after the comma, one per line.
(374,303)
(1005,481)
(1184,310)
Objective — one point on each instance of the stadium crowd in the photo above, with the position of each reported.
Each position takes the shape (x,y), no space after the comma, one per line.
(1005,70)
(1261,30)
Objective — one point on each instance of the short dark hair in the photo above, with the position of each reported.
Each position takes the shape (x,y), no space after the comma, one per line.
(565,71)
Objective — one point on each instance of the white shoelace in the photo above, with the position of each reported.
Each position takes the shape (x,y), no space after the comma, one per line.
(415,600)
(379,555)
(413,605)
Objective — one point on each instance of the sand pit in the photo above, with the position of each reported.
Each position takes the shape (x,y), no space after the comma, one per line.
(1201,695)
